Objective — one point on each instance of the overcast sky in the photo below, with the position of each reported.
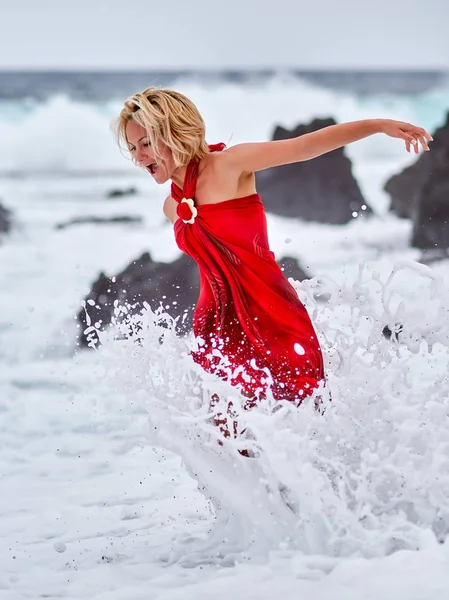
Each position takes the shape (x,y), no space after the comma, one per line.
(154,34)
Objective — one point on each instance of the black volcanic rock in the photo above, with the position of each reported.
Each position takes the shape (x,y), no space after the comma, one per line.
(394,334)
(291,268)
(5,219)
(322,190)
(431,215)
(125,219)
(144,280)
(433,255)
(405,188)
(121,193)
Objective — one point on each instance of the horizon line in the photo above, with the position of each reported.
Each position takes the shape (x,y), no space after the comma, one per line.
(226,69)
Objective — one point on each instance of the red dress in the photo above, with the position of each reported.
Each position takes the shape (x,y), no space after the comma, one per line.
(247,309)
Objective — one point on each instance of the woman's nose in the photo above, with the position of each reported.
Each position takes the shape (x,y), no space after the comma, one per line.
(140,156)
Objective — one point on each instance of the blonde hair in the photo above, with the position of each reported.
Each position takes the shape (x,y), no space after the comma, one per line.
(168,117)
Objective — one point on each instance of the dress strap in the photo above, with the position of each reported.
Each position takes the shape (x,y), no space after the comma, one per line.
(189,186)
(217,147)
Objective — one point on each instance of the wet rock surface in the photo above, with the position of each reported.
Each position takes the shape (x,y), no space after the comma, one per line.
(120,219)
(323,190)
(121,193)
(5,219)
(421,193)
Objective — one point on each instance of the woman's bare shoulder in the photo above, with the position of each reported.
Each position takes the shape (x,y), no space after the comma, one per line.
(224,161)
(227,176)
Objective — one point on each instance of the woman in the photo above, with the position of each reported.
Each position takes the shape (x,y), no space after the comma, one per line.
(250,325)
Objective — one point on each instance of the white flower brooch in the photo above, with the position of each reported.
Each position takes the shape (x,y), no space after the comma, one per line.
(187,210)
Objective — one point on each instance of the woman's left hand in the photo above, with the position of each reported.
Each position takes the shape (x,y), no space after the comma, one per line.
(412,135)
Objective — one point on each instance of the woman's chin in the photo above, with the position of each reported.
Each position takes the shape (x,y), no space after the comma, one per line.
(160,178)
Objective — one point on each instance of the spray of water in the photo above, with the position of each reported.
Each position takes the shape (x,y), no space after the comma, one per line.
(366,474)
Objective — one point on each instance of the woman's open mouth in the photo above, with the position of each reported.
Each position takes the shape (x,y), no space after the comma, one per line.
(152,168)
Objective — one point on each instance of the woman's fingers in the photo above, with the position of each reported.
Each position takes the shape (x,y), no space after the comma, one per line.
(423,141)
(415,136)
(408,137)
(422,136)
(411,142)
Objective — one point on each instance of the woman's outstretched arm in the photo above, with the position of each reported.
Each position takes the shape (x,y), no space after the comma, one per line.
(263,155)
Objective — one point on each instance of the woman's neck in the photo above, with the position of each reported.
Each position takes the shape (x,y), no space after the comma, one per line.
(179,175)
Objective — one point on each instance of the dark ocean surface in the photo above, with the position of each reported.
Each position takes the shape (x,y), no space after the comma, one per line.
(110,85)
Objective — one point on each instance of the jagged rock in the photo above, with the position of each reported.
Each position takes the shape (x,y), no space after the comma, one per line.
(117,193)
(323,189)
(98,220)
(393,335)
(291,268)
(432,255)
(144,280)
(5,219)
(405,188)
(175,285)
(431,216)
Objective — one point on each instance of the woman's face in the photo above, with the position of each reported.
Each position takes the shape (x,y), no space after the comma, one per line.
(139,146)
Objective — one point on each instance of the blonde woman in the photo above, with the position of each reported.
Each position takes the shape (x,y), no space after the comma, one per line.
(247,310)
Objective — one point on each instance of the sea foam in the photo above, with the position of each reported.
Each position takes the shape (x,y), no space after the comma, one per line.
(367,473)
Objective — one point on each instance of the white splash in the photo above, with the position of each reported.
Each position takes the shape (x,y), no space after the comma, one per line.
(367,473)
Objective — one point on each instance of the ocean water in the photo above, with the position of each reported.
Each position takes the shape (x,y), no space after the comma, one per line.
(113,483)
